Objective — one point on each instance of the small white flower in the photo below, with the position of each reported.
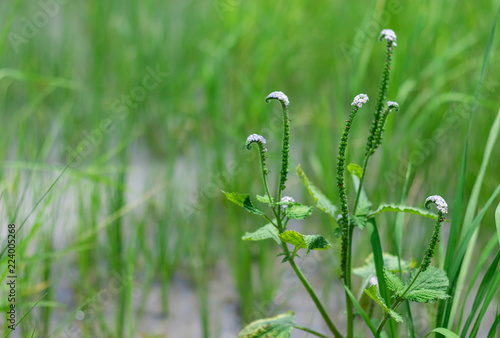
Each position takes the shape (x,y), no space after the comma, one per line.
(255,138)
(280,96)
(440,203)
(286,199)
(373,280)
(359,100)
(393,105)
(389,35)
(339,217)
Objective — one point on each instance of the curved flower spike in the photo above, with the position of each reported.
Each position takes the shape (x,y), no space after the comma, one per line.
(389,35)
(257,139)
(287,199)
(261,142)
(285,152)
(393,105)
(280,96)
(359,100)
(441,204)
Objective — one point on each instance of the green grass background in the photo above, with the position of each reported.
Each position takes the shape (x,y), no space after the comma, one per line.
(144,201)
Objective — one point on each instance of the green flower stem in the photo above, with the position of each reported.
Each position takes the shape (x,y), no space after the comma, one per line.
(361,180)
(306,329)
(384,86)
(346,240)
(264,174)
(423,266)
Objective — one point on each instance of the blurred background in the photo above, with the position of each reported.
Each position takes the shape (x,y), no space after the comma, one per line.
(122,121)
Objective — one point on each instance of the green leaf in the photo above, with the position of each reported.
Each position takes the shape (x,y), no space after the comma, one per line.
(393,282)
(298,211)
(445,332)
(355,169)
(359,221)
(243,200)
(322,202)
(430,286)
(402,208)
(497,221)
(265,232)
(294,238)
(374,294)
(276,327)
(316,242)
(367,271)
(309,242)
(265,199)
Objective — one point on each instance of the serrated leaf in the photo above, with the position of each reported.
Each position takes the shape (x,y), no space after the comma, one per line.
(337,232)
(265,232)
(276,327)
(393,282)
(359,221)
(322,202)
(309,242)
(295,238)
(316,242)
(402,208)
(298,211)
(374,294)
(430,286)
(355,169)
(264,199)
(243,200)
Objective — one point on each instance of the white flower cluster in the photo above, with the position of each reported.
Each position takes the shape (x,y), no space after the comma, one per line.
(389,35)
(440,203)
(255,138)
(280,96)
(359,100)
(286,199)
(393,105)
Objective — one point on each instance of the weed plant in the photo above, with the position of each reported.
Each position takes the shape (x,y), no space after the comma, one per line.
(388,280)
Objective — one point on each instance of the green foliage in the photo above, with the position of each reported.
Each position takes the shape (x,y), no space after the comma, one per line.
(497,221)
(309,242)
(445,332)
(367,271)
(359,221)
(393,282)
(243,200)
(355,169)
(402,208)
(275,327)
(429,287)
(298,211)
(322,202)
(265,199)
(374,294)
(265,232)
(364,204)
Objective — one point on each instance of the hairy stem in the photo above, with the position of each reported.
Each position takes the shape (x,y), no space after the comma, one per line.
(311,293)
(308,287)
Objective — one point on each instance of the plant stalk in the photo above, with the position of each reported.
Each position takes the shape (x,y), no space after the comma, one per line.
(311,293)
